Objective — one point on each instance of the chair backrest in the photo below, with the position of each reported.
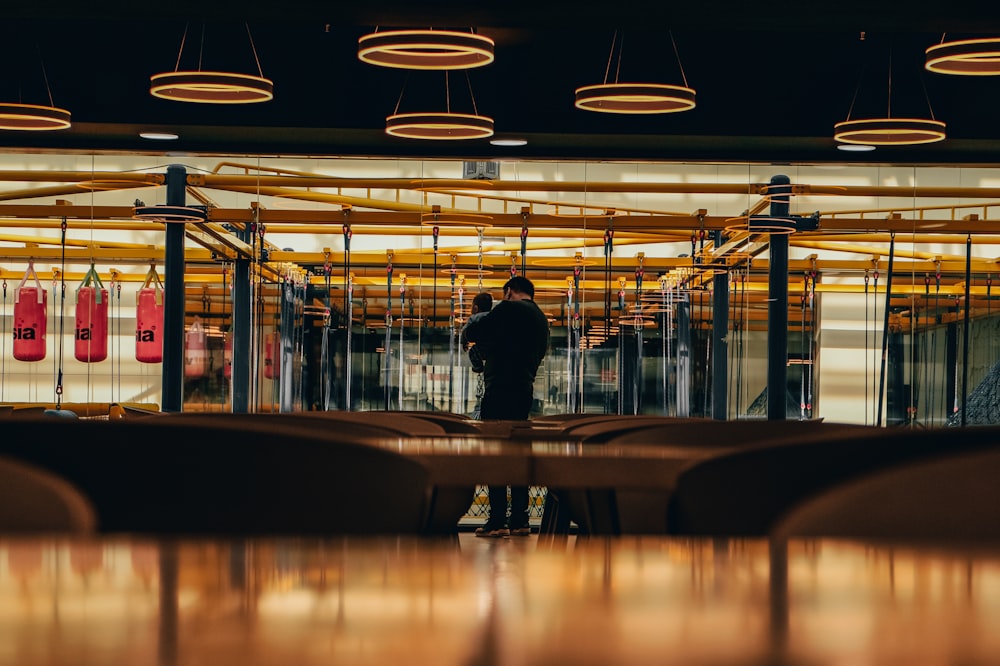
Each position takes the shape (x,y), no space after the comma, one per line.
(596,432)
(35,500)
(744,492)
(681,432)
(228,474)
(949,498)
(451,422)
(357,425)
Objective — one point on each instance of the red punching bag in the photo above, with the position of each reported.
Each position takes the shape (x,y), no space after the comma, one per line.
(227,356)
(30,305)
(91,339)
(272,355)
(195,350)
(149,319)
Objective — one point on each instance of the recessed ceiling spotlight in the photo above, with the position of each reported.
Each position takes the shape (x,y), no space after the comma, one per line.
(855,147)
(509,142)
(159,136)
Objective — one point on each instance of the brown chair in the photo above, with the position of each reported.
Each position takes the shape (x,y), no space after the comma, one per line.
(35,500)
(452,423)
(944,499)
(708,432)
(745,492)
(609,430)
(615,510)
(357,425)
(225,474)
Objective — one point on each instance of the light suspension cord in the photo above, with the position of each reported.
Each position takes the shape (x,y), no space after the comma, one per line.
(62,314)
(3,342)
(885,325)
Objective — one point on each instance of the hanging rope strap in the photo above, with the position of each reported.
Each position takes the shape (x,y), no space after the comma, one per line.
(348,234)
(92,278)
(435,233)
(609,238)
(62,312)
(38,284)
(153,280)
(388,291)
(575,296)
(524,246)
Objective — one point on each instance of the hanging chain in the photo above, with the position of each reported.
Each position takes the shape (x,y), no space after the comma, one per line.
(479,272)
(524,243)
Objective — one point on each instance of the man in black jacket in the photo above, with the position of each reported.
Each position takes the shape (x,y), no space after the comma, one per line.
(513,337)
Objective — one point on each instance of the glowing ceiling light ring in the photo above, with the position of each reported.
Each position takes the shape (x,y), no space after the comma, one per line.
(211,87)
(967,57)
(169,214)
(33,117)
(889,131)
(635,98)
(426,49)
(439,126)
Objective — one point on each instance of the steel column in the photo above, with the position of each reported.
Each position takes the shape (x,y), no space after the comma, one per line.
(777,306)
(172,381)
(241,329)
(720,344)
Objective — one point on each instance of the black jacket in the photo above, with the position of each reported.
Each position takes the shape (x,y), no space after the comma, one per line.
(514,337)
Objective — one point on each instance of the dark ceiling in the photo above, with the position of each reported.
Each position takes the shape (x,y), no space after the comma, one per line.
(771,79)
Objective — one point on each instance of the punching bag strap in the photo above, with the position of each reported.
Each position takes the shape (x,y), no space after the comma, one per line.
(30,271)
(153,279)
(91,277)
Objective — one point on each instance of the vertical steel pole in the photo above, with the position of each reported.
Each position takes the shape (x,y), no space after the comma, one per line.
(885,329)
(242,330)
(965,330)
(777,306)
(172,380)
(720,343)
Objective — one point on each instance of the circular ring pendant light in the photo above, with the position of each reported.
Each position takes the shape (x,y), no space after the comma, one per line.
(33,117)
(426,49)
(169,214)
(211,87)
(635,98)
(889,131)
(439,126)
(967,57)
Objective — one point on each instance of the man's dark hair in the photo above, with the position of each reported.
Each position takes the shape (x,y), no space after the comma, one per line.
(521,285)
(484,301)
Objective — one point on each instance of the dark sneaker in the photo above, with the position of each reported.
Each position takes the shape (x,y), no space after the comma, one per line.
(520,531)
(492,531)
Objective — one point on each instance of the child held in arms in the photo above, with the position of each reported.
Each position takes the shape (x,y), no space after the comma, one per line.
(481,304)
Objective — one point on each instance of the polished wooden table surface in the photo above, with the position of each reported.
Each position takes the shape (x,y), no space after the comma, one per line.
(484,601)
(459,460)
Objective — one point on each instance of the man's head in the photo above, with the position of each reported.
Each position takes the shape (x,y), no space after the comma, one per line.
(518,288)
(483,302)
